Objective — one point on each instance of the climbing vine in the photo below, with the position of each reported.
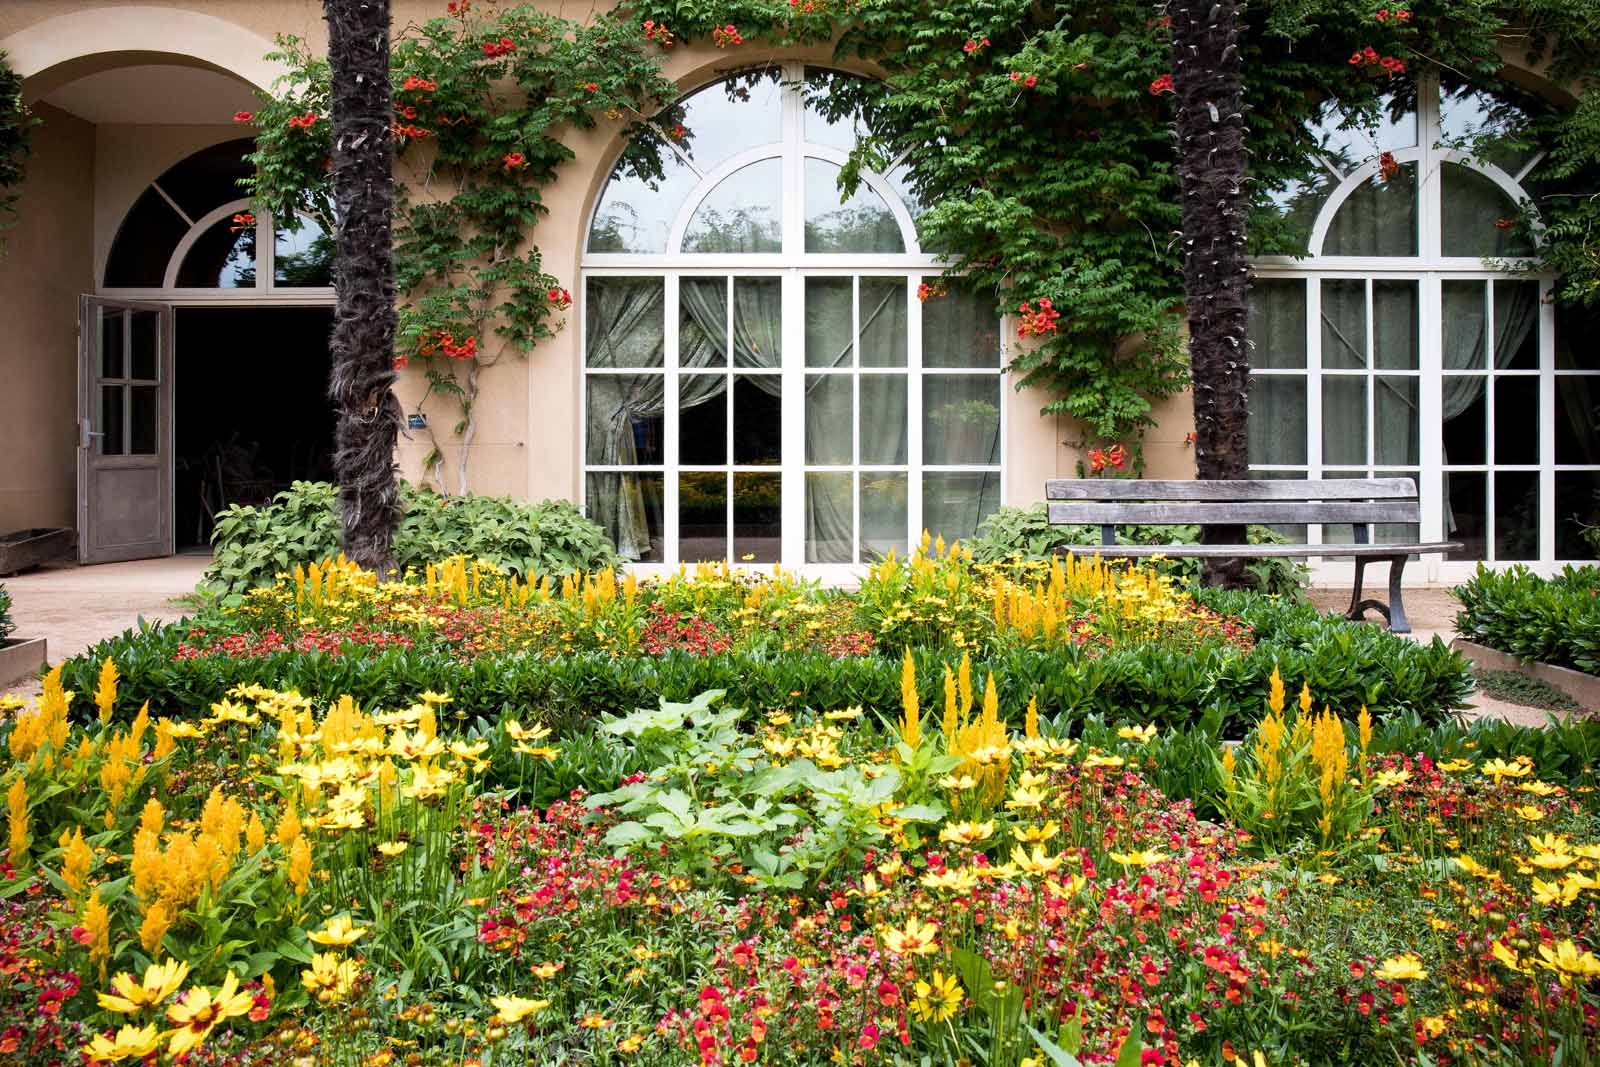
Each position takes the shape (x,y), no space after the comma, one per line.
(15,122)
(1038,133)
(482,101)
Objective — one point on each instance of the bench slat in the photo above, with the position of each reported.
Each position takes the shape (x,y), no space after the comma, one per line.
(1217,514)
(1170,489)
(1254,551)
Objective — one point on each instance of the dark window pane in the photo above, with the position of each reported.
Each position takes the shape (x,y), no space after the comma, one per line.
(702,516)
(111,426)
(703,419)
(1278,323)
(757,419)
(757,517)
(628,506)
(224,257)
(146,345)
(1395,420)
(703,322)
(1395,342)
(113,344)
(624,417)
(1465,313)
(883,418)
(1378,219)
(961,419)
(1277,424)
(1466,415)
(625,322)
(144,244)
(758,322)
(1577,507)
(1516,515)
(1466,510)
(303,257)
(1516,419)
(1577,419)
(1478,216)
(210,178)
(883,322)
(1516,325)
(142,420)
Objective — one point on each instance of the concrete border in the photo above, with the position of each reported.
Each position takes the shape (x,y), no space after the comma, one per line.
(21,659)
(1584,688)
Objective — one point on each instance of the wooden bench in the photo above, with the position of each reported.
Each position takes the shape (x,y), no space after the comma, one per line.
(1109,502)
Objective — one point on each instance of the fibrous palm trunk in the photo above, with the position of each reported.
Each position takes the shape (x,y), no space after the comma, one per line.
(1207,76)
(361,349)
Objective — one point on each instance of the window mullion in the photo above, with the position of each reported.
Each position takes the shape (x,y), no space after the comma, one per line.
(669,431)
(914,455)
(1314,392)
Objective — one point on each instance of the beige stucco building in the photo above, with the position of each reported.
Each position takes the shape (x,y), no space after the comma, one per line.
(1393,349)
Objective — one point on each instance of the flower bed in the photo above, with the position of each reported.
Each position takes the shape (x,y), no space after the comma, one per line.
(1082,637)
(278,880)
(1548,620)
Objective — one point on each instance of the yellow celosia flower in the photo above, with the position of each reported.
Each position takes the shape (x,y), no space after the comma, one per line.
(129,995)
(105,694)
(510,1009)
(330,978)
(17,816)
(910,706)
(299,865)
(76,859)
(96,923)
(339,931)
(153,929)
(938,998)
(917,939)
(1406,967)
(130,1042)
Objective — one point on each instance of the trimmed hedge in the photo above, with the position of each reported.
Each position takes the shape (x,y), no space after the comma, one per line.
(1551,620)
(1346,665)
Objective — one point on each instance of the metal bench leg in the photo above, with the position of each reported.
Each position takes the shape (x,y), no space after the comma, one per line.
(1360,607)
(1398,623)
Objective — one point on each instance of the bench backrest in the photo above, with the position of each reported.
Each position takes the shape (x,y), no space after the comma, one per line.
(1108,502)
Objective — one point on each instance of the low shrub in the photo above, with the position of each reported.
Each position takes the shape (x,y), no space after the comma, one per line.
(1551,620)
(7,627)
(1026,533)
(253,545)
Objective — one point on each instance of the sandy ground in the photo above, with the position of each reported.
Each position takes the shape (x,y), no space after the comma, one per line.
(74,607)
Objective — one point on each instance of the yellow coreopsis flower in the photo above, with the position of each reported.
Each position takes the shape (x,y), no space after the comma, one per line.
(1390,779)
(517,732)
(917,939)
(1528,813)
(1142,734)
(434,700)
(510,1009)
(1559,894)
(1406,967)
(128,995)
(1036,864)
(330,977)
(1572,965)
(416,745)
(200,1011)
(130,1042)
(427,784)
(1138,858)
(1025,799)
(938,998)
(966,833)
(1499,769)
(1505,955)
(339,931)
(548,969)
(392,848)
(1036,834)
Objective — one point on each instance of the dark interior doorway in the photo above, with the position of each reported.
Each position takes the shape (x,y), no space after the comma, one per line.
(250,409)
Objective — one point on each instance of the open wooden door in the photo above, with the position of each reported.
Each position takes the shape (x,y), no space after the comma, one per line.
(124,430)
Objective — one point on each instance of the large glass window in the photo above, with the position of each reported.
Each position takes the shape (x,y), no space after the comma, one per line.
(1416,340)
(773,371)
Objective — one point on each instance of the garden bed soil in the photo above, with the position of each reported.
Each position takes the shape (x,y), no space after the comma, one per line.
(1581,687)
(20,659)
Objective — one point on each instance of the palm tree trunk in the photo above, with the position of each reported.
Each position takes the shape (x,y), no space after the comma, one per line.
(362,345)
(1207,76)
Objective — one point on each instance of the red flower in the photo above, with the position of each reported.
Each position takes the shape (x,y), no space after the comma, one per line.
(1030,81)
(1161,85)
(242,116)
(723,36)
(559,297)
(401,362)
(970,47)
(514,159)
(1504,224)
(1387,166)
(591,87)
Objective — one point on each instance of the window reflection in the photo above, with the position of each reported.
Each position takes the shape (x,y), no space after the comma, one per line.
(224,257)
(303,256)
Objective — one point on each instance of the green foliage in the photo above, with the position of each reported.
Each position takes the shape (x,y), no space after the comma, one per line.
(1552,620)
(251,545)
(1524,689)
(15,122)
(478,137)
(7,626)
(1346,665)
(1026,533)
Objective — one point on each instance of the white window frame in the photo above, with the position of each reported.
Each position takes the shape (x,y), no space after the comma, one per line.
(793,265)
(1430,268)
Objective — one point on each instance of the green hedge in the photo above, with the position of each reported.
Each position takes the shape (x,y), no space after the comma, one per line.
(1551,620)
(6,625)
(1346,665)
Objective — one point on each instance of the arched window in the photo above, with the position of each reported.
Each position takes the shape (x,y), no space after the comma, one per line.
(1416,339)
(765,379)
(192,233)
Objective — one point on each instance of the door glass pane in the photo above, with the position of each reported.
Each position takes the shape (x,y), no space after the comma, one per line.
(224,257)
(703,419)
(1577,507)
(1479,218)
(860,223)
(1465,316)
(111,423)
(625,322)
(1344,420)
(758,322)
(883,514)
(112,351)
(1516,419)
(146,345)
(741,214)
(1466,418)
(829,303)
(304,256)
(1277,325)
(757,419)
(1277,424)
(1394,325)
(1516,325)
(959,327)
(629,507)
(828,522)
(1344,323)
(703,322)
(883,322)
(757,517)
(960,419)
(1516,515)
(1466,510)
(1379,218)
(829,403)
(702,516)
(624,419)
(883,418)
(1395,420)
(143,419)
(954,504)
